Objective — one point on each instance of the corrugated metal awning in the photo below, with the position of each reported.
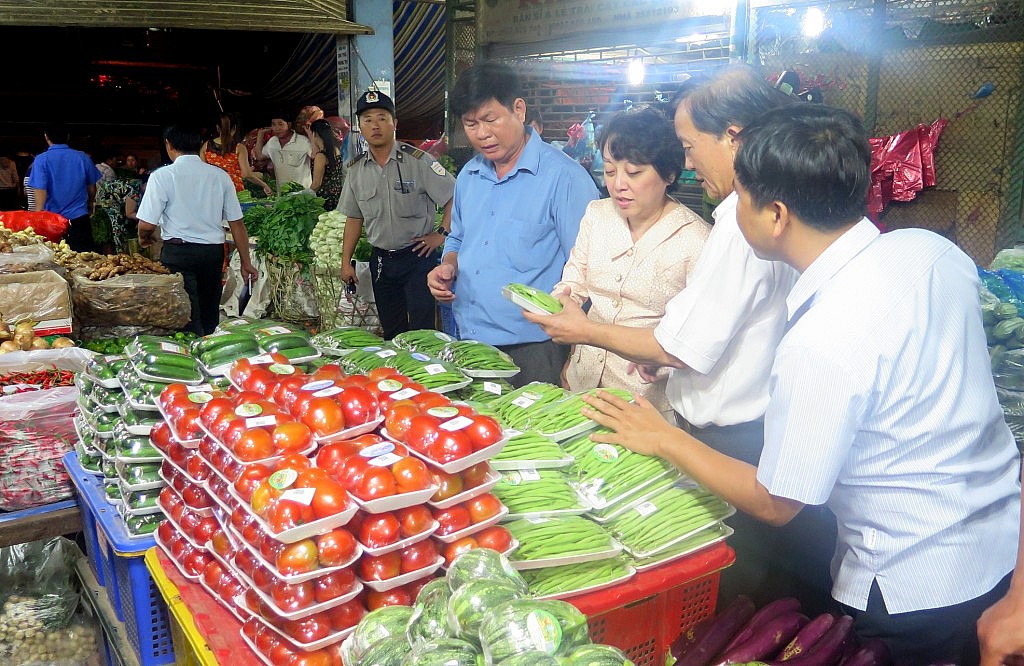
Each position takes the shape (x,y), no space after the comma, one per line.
(309,16)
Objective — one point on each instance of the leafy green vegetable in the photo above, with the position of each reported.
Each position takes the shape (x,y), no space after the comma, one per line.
(286,230)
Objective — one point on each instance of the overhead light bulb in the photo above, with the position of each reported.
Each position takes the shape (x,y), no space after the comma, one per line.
(813,22)
(636,72)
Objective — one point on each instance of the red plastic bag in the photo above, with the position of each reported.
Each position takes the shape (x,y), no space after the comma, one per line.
(50,226)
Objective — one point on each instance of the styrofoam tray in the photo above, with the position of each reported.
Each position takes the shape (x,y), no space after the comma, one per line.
(574,431)
(396,502)
(231,454)
(554,513)
(523,565)
(349,433)
(187,443)
(299,614)
(490,481)
(463,463)
(723,531)
(291,578)
(252,646)
(307,647)
(398,581)
(489,374)
(170,556)
(631,571)
(599,503)
(109,384)
(448,388)
(304,531)
(402,543)
(653,490)
(474,528)
(216,597)
(681,537)
(510,465)
(141,406)
(522,302)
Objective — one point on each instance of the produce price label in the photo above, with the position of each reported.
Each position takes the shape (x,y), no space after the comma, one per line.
(512,432)
(405,393)
(387,353)
(545,632)
(605,452)
(282,479)
(300,495)
(434,369)
(248,409)
(645,508)
(261,421)
(112,357)
(525,400)
(385,460)
(169,347)
(529,474)
(219,331)
(328,392)
(375,450)
(274,330)
(458,423)
(389,385)
(537,521)
(200,388)
(200,397)
(492,387)
(282,369)
(261,359)
(420,356)
(317,385)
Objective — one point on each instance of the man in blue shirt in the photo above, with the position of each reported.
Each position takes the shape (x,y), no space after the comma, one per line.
(64,182)
(518,205)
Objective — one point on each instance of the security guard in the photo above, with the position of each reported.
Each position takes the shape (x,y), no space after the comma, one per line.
(395,190)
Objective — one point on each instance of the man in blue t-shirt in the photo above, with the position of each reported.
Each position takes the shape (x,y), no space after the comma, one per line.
(516,213)
(63,181)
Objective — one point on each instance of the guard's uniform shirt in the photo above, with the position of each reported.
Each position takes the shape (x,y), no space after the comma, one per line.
(398,201)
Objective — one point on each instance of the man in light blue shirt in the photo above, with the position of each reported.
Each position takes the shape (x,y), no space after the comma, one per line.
(881,400)
(516,213)
(64,182)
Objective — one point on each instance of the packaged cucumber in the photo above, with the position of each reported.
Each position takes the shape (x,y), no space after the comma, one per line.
(103,369)
(578,578)
(426,341)
(145,525)
(167,367)
(666,519)
(140,502)
(154,344)
(139,476)
(89,458)
(129,448)
(105,399)
(83,383)
(138,422)
(429,619)
(537,493)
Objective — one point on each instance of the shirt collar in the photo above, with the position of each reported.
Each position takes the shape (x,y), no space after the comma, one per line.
(393,156)
(727,207)
(58,146)
(621,241)
(835,257)
(529,159)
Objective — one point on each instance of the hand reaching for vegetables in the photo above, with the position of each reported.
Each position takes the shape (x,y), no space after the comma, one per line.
(638,426)
(568,327)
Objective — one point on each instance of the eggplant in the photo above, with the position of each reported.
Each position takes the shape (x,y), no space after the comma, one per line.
(766,613)
(829,650)
(722,628)
(810,634)
(766,640)
(683,643)
(872,653)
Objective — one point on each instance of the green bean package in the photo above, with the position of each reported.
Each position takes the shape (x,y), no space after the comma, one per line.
(605,473)
(532,493)
(478,359)
(572,579)
(530,450)
(515,408)
(425,341)
(667,518)
(563,419)
(559,540)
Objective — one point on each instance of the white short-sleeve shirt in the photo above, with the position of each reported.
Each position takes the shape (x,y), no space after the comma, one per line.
(292,162)
(883,406)
(190,199)
(725,326)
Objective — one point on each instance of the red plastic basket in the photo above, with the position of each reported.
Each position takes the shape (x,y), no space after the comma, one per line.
(644,615)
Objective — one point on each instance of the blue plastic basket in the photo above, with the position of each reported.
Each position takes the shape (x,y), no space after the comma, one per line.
(130,588)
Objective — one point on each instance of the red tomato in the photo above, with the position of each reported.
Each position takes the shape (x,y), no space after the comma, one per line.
(209,412)
(415,520)
(205,529)
(376,482)
(160,436)
(352,470)
(291,597)
(288,388)
(270,548)
(196,497)
(331,371)
(458,547)
(398,417)
(429,399)
(165,531)
(170,391)
(422,432)
(496,538)
(336,547)
(291,436)
(358,406)
(452,519)
(314,658)
(195,562)
(187,425)
(483,507)
(382,567)
(254,444)
(264,580)
(377,374)
(196,467)
(299,557)
(309,629)
(449,446)
(419,555)
(475,475)
(324,416)
(448,485)
(329,498)
(246,562)
(330,457)
(483,431)
(295,461)
(410,474)
(233,432)
(397,596)
(260,380)
(263,497)
(346,615)
(287,513)
(239,371)
(334,584)
(380,529)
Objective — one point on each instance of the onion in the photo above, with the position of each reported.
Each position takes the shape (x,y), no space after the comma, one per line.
(40,343)
(9,346)
(61,343)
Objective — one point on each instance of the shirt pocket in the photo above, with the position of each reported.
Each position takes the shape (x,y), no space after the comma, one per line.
(368,201)
(293,158)
(409,206)
(525,244)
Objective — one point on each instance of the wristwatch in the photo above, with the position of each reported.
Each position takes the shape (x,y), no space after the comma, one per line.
(442,231)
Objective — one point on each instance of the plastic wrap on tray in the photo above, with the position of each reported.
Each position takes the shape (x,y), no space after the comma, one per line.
(131,300)
(27,258)
(36,430)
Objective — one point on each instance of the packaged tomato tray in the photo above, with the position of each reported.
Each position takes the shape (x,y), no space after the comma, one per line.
(380,475)
(449,437)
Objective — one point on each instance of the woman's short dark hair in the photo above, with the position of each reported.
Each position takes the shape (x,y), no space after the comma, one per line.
(184,139)
(734,95)
(644,137)
(815,159)
(483,82)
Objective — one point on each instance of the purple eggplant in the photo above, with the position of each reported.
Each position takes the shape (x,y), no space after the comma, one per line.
(766,640)
(715,635)
(871,653)
(767,612)
(827,651)
(692,636)
(808,636)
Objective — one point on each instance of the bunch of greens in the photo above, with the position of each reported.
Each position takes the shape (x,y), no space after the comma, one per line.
(254,218)
(286,230)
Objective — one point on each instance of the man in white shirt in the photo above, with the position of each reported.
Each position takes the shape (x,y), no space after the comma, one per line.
(881,401)
(289,152)
(719,335)
(188,200)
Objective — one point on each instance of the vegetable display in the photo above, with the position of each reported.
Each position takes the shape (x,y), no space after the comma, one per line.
(285,233)
(667,517)
(326,241)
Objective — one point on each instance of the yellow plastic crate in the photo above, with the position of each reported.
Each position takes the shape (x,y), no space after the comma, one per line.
(189,647)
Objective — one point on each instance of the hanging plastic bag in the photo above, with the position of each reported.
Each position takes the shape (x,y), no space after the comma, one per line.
(50,226)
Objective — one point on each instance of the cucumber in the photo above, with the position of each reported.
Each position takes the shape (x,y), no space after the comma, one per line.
(298,352)
(139,525)
(215,342)
(228,353)
(284,341)
(172,372)
(179,360)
